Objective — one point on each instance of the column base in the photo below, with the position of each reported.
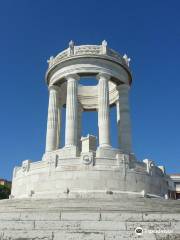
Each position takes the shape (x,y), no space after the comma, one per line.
(105,145)
(70,151)
(107,152)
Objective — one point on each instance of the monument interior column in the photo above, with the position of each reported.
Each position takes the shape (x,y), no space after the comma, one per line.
(103,110)
(118,120)
(59,124)
(79,125)
(71,111)
(52,134)
(124,124)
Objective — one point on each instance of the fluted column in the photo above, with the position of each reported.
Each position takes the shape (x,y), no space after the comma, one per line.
(118,121)
(103,110)
(59,124)
(80,110)
(53,122)
(71,111)
(123,118)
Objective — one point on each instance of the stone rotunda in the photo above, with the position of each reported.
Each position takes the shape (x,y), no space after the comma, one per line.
(84,168)
(86,189)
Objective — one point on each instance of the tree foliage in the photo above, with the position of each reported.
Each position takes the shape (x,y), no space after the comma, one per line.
(4,192)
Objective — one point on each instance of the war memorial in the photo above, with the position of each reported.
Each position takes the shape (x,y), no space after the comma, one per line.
(87,189)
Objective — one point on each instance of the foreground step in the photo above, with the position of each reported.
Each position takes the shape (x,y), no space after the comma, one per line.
(89,220)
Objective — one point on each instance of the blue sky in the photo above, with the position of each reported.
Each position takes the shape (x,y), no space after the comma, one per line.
(148,31)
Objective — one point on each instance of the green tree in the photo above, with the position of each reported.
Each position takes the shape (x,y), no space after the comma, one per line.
(4,192)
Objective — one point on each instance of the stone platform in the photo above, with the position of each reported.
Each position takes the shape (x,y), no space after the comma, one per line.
(90,175)
(92,219)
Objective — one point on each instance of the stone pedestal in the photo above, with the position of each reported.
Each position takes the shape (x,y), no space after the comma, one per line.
(88,143)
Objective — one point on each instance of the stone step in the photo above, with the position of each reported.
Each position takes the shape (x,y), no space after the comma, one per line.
(142,204)
(71,219)
(88,216)
(95,230)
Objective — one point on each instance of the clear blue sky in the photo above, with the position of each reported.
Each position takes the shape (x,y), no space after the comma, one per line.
(148,31)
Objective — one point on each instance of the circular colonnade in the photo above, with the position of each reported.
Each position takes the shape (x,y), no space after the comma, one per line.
(114,79)
(79,169)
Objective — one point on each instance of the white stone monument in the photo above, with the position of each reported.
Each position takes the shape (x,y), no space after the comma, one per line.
(88,190)
(79,169)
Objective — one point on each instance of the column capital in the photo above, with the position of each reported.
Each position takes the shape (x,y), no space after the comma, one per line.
(71,77)
(103,76)
(123,87)
(58,91)
(80,107)
(54,87)
(117,101)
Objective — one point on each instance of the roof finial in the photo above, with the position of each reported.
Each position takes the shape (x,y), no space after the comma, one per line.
(104,43)
(104,47)
(50,61)
(71,48)
(71,43)
(127,60)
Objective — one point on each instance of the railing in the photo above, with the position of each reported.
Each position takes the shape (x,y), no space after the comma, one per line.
(85,50)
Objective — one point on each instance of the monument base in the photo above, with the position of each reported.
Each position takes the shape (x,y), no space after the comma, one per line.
(89,175)
(94,219)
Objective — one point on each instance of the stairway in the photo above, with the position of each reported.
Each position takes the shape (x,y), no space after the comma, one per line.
(89,219)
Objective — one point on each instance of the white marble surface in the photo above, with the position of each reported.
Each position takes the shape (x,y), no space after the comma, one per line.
(95,219)
(90,171)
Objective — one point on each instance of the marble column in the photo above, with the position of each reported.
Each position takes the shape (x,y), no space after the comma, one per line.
(53,122)
(59,124)
(79,127)
(123,118)
(71,111)
(103,110)
(118,121)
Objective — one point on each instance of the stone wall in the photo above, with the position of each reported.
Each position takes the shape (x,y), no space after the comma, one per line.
(95,176)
